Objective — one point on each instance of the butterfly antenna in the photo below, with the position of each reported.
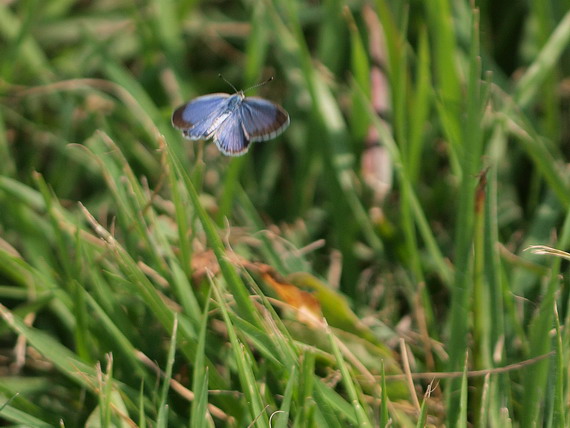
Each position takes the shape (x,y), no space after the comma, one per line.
(229,83)
(259,84)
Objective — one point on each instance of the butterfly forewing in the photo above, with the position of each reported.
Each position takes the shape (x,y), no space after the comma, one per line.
(199,116)
(262,119)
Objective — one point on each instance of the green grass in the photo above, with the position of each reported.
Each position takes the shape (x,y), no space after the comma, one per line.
(149,281)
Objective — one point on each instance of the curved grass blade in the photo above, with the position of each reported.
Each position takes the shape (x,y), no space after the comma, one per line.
(199,406)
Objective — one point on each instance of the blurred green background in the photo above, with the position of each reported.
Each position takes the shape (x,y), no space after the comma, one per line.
(146,280)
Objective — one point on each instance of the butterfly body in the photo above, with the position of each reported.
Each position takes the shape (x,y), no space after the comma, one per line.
(232,121)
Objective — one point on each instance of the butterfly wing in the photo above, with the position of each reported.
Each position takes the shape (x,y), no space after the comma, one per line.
(199,118)
(230,136)
(262,120)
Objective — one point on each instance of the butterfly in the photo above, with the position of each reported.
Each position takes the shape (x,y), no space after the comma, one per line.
(232,121)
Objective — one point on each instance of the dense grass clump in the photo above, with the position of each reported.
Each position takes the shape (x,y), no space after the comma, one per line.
(367,268)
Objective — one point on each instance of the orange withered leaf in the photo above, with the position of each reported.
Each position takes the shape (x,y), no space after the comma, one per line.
(308,307)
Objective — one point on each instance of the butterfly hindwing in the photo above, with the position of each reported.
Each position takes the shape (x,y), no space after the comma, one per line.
(262,119)
(230,137)
(199,117)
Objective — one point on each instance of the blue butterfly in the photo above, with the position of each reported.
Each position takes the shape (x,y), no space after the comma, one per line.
(233,121)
